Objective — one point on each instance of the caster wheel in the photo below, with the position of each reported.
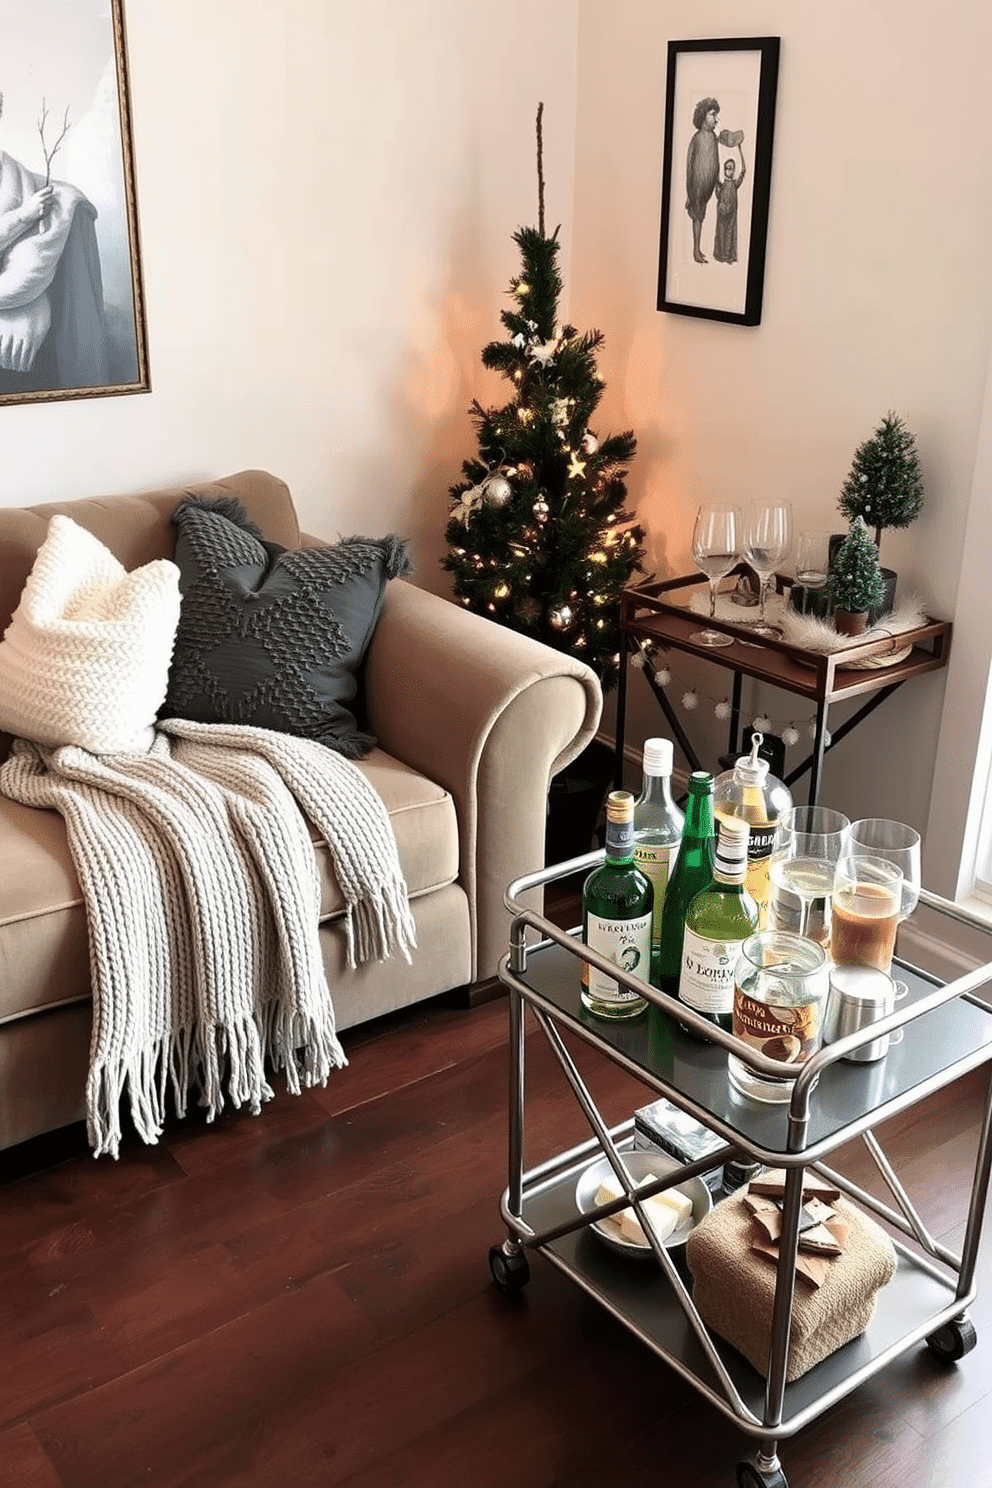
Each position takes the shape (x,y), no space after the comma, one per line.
(750,1475)
(953,1340)
(510,1269)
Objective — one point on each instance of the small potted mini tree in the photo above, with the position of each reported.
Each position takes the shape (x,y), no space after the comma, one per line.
(885,487)
(855,580)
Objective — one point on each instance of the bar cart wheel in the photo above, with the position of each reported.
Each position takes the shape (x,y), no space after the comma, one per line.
(954,1339)
(750,1475)
(510,1267)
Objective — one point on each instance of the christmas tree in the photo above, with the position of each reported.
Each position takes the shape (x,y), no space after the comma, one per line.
(885,483)
(538,537)
(855,577)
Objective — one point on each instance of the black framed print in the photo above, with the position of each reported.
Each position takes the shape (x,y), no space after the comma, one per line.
(72,319)
(716,176)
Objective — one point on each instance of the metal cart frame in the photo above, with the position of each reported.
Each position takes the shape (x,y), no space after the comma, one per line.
(947,1032)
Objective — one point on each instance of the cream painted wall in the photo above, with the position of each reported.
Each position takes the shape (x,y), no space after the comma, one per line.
(327,195)
(877,296)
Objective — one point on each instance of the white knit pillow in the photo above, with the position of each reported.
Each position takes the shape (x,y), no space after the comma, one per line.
(85,658)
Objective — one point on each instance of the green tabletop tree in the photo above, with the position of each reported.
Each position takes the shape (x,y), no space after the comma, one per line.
(885,482)
(855,577)
(538,538)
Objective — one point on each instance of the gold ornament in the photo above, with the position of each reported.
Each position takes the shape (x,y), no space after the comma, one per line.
(577,467)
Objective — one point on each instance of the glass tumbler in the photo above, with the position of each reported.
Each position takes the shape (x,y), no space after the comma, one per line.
(780,991)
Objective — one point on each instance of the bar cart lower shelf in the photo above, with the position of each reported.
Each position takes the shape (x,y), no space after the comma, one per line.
(946,1031)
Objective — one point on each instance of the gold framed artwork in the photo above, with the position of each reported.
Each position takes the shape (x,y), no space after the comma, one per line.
(72,321)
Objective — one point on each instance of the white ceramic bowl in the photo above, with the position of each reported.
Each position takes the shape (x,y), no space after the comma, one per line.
(641,1164)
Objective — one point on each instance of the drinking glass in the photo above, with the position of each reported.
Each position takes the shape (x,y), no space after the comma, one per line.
(898,844)
(767,538)
(714,551)
(780,990)
(865,909)
(813,559)
(808,844)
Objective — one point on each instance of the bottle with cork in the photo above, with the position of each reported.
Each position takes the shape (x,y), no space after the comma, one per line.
(753,794)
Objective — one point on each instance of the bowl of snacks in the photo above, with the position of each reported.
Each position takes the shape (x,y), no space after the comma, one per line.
(673,1213)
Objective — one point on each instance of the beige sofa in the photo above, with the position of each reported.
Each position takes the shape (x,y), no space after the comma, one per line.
(471,721)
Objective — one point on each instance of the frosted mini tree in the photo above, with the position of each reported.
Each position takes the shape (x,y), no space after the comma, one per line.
(855,577)
(538,538)
(885,483)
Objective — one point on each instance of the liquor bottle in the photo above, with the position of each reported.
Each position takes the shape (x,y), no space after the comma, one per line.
(751,792)
(658,824)
(716,923)
(617,900)
(693,871)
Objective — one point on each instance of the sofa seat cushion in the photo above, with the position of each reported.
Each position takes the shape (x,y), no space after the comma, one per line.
(43,940)
(424,823)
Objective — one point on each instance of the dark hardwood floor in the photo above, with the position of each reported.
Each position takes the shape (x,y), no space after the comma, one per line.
(304,1299)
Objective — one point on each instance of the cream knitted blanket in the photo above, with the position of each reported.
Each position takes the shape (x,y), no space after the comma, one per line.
(201,893)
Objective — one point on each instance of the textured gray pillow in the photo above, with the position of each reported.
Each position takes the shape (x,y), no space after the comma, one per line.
(274,636)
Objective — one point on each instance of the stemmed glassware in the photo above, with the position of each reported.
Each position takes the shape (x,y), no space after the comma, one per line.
(899,845)
(715,539)
(767,539)
(808,844)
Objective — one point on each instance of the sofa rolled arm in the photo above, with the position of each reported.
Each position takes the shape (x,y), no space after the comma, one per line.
(490,715)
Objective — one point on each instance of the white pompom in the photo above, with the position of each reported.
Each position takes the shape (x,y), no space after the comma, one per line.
(663,676)
(689,701)
(762,724)
(790,735)
(637,659)
(722,711)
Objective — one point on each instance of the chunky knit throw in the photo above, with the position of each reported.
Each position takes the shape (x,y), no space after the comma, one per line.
(202,898)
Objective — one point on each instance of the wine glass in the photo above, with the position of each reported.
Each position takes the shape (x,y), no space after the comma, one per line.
(714,551)
(806,848)
(767,539)
(897,844)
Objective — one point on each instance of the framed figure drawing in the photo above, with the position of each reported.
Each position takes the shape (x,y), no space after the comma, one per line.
(71,309)
(716,177)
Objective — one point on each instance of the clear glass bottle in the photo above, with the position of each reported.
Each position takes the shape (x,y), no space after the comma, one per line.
(716,923)
(617,900)
(749,791)
(658,824)
(693,871)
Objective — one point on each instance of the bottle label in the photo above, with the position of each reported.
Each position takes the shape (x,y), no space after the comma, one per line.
(706,982)
(625,942)
(655,862)
(790,1033)
(619,839)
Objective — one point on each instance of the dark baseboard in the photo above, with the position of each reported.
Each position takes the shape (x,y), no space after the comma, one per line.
(476,993)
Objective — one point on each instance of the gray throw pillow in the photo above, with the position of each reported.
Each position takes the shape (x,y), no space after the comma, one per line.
(274,636)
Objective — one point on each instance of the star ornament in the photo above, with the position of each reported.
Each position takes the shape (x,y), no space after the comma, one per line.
(542,352)
(577,467)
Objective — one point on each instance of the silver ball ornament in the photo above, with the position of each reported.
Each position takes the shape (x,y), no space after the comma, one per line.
(496,491)
(590,444)
(542,510)
(561,618)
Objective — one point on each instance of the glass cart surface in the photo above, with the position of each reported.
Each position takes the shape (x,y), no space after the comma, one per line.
(946,1032)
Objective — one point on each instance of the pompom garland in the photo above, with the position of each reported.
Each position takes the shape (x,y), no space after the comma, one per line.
(790,730)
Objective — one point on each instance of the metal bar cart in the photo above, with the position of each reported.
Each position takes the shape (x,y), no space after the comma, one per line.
(946,1032)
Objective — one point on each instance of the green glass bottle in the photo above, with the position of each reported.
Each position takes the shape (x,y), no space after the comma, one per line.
(617,900)
(692,873)
(716,923)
